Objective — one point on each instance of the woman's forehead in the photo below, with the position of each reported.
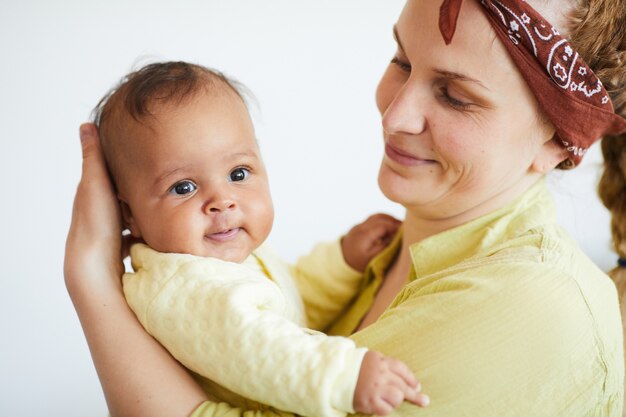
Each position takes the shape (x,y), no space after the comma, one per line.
(475,50)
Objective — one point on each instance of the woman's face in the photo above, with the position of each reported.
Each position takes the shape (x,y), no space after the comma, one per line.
(461,128)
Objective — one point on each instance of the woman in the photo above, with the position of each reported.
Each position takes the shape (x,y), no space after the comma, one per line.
(488,301)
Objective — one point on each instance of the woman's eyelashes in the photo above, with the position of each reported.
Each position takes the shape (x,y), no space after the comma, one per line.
(404,66)
(457,104)
(444,94)
(184,187)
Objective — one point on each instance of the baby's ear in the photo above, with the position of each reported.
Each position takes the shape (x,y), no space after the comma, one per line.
(128,219)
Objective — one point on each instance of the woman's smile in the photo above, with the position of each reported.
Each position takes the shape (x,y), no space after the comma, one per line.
(403,157)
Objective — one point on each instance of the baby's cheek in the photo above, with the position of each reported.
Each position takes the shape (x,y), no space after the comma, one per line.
(261,218)
(169,235)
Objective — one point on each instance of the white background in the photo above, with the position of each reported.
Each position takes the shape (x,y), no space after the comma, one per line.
(313,66)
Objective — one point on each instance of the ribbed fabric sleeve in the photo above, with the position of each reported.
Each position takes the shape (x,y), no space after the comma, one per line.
(226,322)
(327,284)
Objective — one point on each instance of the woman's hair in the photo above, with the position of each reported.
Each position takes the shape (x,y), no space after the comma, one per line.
(598,31)
(612,192)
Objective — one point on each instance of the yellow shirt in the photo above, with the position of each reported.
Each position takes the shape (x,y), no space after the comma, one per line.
(503,316)
(227,322)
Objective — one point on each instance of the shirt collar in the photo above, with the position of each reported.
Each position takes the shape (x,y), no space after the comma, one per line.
(534,208)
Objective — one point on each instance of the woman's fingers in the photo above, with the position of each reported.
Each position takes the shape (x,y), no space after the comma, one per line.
(93,246)
(96,204)
(93,160)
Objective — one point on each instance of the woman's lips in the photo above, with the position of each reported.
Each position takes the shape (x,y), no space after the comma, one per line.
(225,235)
(403,157)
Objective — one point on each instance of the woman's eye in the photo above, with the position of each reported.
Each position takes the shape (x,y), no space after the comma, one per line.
(453,102)
(404,66)
(183,188)
(239,174)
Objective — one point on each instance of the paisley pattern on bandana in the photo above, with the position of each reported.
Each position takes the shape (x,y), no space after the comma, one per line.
(567,90)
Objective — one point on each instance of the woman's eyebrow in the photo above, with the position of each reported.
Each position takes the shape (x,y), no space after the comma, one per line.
(456,76)
(397,38)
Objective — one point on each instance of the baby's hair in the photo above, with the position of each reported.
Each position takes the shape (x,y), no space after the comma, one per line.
(138,94)
(160,83)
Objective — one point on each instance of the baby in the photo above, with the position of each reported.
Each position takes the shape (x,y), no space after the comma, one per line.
(181,150)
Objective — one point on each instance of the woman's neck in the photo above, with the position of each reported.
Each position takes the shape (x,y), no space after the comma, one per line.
(417,226)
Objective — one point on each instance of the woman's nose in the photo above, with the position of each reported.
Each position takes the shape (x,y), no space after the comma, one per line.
(405,113)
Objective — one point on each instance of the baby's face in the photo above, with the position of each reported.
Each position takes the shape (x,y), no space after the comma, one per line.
(197,183)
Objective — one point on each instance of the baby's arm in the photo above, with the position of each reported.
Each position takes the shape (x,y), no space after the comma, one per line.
(229,328)
(331,275)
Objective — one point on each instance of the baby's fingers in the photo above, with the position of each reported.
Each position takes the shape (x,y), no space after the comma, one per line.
(404,372)
(414,396)
(381,407)
(409,384)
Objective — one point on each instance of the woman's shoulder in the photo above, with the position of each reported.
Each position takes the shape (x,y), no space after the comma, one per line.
(539,279)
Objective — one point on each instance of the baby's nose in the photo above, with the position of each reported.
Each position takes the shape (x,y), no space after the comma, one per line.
(218,205)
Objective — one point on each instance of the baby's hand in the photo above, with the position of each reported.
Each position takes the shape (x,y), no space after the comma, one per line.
(383,384)
(367,239)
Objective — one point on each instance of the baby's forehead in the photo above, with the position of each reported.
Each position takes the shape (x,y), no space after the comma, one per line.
(224,127)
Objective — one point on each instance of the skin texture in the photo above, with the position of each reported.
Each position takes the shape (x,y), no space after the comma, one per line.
(384,383)
(463,134)
(446,164)
(195,182)
(455,148)
(367,239)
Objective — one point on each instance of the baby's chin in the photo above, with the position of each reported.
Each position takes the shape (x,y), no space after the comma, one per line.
(227,253)
(232,246)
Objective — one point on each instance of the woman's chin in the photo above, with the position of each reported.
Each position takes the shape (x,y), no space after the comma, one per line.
(397,189)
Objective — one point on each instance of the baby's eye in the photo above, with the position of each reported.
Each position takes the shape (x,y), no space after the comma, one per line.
(183,188)
(239,174)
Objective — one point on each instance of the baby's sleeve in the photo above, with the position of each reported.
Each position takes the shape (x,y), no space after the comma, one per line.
(224,322)
(325,282)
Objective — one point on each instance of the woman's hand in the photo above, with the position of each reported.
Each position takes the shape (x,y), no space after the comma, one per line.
(138,376)
(93,251)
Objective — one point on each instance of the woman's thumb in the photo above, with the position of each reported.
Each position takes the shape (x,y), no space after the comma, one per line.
(93,159)
(88,139)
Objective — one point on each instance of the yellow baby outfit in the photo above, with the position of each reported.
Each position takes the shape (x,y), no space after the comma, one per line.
(501,316)
(242,326)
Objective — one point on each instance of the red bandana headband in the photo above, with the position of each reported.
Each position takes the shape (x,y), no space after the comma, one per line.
(571,95)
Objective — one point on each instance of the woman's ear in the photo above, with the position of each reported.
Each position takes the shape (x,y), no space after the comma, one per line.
(127,218)
(549,156)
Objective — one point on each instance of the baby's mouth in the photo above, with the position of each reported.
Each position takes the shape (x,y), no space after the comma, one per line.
(224,235)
